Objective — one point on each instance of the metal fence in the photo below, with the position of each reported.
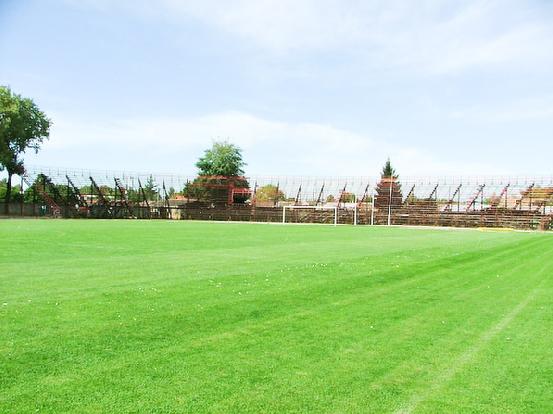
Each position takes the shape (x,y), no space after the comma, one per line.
(309,187)
(491,201)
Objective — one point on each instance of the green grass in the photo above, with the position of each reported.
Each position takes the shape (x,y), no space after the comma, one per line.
(163,317)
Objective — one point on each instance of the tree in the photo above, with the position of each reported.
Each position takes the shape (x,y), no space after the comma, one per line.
(388,170)
(133,195)
(150,189)
(269,192)
(16,191)
(348,197)
(388,190)
(220,172)
(23,126)
(222,159)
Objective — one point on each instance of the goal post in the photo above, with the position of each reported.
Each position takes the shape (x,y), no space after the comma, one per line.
(310,213)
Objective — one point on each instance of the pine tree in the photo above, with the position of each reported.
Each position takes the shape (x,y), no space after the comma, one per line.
(151,189)
(388,170)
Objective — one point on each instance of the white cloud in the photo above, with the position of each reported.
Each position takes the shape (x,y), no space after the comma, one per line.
(530,109)
(430,36)
(270,147)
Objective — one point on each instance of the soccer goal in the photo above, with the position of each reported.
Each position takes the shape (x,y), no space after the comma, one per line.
(310,214)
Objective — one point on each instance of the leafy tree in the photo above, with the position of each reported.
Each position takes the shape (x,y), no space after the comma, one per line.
(348,197)
(222,159)
(192,189)
(269,192)
(16,190)
(85,189)
(23,126)
(133,195)
(60,193)
(107,191)
(215,189)
(220,170)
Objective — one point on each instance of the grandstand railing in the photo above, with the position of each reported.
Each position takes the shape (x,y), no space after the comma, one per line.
(496,201)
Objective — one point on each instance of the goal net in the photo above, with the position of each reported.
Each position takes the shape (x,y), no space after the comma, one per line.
(310,214)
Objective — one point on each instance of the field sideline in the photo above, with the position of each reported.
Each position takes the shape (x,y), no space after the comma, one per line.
(166,317)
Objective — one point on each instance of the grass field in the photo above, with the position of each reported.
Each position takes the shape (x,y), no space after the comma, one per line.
(162,317)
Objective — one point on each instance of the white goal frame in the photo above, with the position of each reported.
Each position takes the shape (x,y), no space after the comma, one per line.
(315,208)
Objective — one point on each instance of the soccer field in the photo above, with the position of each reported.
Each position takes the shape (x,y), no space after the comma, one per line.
(174,316)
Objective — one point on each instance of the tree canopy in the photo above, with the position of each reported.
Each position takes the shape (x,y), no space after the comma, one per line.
(269,192)
(23,126)
(222,159)
(388,170)
(16,190)
(151,190)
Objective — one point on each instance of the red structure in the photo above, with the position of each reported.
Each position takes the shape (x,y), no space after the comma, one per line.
(388,193)
(220,189)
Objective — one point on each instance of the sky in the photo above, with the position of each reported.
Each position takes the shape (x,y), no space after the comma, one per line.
(304,87)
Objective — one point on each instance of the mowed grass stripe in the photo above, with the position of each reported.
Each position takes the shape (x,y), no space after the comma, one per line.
(472,356)
(391,334)
(301,341)
(458,364)
(349,281)
(126,274)
(498,379)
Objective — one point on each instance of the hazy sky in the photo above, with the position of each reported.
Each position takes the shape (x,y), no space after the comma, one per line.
(304,87)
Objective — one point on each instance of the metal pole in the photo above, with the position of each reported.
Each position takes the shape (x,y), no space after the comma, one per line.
(390,204)
(283,214)
(372,208)
(482,200)
(335,215)
(355,215)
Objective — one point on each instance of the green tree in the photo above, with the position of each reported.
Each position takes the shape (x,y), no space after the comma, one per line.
(133,195)
(150,189)
(220,172)
(269,192)
(16,190)
(216,189)
(348,197)
(388,190)
(388,170)
(23,126)
(222,159)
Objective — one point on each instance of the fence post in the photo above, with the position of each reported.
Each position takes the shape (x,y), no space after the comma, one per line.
(372,209)
(390,204)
